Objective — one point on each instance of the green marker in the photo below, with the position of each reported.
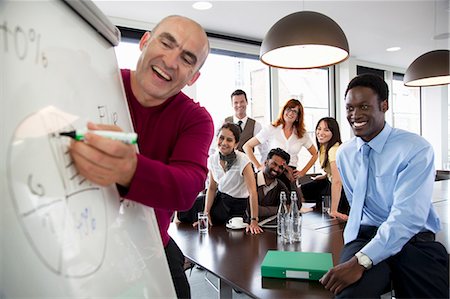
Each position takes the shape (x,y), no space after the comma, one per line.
(128,138)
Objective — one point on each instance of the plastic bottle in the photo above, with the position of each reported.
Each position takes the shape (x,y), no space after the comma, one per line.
(295,219)
(282,213)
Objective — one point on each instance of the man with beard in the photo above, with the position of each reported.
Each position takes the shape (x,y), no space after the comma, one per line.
(268,185)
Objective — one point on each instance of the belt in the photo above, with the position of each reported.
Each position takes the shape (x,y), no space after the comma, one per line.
(426,236)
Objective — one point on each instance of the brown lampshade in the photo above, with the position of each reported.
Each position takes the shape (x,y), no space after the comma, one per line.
(303,40)
(429,69)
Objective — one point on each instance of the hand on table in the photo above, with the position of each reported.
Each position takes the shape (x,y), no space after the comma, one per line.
(254,228)
(338,215)
(343,275)
(102,160)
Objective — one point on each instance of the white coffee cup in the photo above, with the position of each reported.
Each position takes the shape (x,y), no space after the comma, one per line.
(236,222)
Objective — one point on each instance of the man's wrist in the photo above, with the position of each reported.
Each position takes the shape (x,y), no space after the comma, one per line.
(363,260)
(254,218)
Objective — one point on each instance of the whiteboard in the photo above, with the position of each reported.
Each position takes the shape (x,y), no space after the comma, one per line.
(61,235)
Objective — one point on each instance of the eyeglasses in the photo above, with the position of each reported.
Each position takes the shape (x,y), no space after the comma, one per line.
(288,110)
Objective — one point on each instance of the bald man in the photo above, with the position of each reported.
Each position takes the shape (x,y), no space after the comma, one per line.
(174,133)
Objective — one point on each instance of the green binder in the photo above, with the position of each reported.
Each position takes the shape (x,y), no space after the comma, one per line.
(294,264)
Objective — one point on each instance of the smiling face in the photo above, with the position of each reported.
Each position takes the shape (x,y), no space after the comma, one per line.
(239,103)
(171,57)
(291,114)
(323,133)
(365,113)
(274,167)
(226,142)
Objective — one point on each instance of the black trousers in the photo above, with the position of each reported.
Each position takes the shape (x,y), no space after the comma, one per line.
(419,270)
(175,259)
(223,208)
(313,192)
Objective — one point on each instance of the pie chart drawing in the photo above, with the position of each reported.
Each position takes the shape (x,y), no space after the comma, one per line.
(62,215)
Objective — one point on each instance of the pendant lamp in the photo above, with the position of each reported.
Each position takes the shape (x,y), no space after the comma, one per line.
(303,40)
(429,69)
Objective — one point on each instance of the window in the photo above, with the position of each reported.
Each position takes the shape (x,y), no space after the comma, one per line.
(405,105)
(222,73)
(127,54)
(227,70)
(311,88)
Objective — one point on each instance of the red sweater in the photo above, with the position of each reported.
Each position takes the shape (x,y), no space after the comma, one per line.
(174,140)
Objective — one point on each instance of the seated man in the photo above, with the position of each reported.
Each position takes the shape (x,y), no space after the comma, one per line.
(388,176)
(269,185)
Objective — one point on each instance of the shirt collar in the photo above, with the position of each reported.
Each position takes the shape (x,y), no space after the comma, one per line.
(378,142)
(235,119)
(260,181)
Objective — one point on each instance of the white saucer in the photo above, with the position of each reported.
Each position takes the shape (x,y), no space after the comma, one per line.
(236,227)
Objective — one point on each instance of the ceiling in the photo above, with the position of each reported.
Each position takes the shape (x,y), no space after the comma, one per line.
(370,26)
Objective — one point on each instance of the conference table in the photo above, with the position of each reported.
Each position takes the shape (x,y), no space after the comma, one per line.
(235,256)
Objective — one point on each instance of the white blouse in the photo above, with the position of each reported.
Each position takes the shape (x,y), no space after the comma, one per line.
(230,182)
(276,138)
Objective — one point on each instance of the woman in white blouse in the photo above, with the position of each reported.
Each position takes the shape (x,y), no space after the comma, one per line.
(231,182)
(288,133)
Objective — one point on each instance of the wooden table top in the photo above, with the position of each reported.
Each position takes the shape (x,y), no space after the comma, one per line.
(235,256)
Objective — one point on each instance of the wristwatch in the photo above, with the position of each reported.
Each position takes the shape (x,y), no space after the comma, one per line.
(364,260)
(254,218)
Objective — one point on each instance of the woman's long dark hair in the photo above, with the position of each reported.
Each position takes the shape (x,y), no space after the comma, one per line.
(333,126)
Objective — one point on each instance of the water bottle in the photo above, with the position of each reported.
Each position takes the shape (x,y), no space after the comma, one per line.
(295,219)
(286,230)
(281,215)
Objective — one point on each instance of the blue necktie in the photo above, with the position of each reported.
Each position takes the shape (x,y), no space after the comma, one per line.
(359,196)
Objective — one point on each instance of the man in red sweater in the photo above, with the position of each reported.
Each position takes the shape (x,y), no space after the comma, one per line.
(174,133)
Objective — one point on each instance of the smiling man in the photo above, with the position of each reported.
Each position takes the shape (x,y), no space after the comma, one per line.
(249,127)
(174,133)
(390,233)
(268,184)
